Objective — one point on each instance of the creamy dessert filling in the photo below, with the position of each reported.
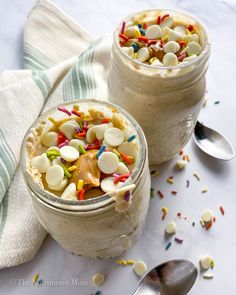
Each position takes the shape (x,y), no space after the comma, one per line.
(159,39)
(84,153)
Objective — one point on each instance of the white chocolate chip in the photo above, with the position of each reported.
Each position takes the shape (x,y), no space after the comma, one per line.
(91,134)
(180,30)
(171,228)
(59,186)
(153,32)
(156,62)
(171,46)
(108,162)
(207,216)
(122,169)
(195,38)
(180,164)
(41,163)
(194,48)
(165,32)
(96,132)
(54,175)
(128,50)
(170,59)
(186,38)
(100,130)
(76,142)
(68,129)
(70,192)
(140,268)
(50,139)
(174,36)
(143,54)
(190,58)
(98,279)
(132,31)
(168,22)
(208,275)
(108,185)
(128,148)
(114,136)
(205,261)
(69,153)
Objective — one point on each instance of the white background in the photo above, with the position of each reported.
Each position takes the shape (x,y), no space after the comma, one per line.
(52,262)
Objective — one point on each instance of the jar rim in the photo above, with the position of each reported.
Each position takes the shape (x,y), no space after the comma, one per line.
(201,57)
(102,200)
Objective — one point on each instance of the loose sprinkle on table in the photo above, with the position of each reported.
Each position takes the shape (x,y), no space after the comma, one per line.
(160,194)
(170,180)
(179,241)
(165,211)
(212,263)
(155,173)
(204,190)
(217,102)
(193,223)
(174,192)
(168,246)
(152,192)
(187,183)
(35,278)
(222,210)
(195,174)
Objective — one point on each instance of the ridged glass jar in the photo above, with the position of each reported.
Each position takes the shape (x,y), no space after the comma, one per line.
(165,101)
(91,228)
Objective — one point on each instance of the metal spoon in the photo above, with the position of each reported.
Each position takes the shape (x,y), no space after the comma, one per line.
(175,277)
(213,143)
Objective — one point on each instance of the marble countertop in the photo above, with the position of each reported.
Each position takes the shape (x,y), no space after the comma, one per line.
(73,274)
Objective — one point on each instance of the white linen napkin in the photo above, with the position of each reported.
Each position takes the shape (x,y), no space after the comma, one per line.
(62,62)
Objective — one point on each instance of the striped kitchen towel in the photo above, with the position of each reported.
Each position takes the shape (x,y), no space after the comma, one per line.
(62,62)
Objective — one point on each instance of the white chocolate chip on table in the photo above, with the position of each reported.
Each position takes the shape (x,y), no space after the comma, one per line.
(181,164)
(207,216)
(205,262)
(171,228)
(140,268)
(98,279)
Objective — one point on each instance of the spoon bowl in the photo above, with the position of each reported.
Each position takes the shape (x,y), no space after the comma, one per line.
(213,143)
(172,277)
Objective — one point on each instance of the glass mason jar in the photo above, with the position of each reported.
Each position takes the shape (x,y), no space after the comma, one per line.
(91,228)
(164,100)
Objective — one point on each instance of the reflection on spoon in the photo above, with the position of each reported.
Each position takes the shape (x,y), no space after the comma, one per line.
(175,277)
(213,143)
